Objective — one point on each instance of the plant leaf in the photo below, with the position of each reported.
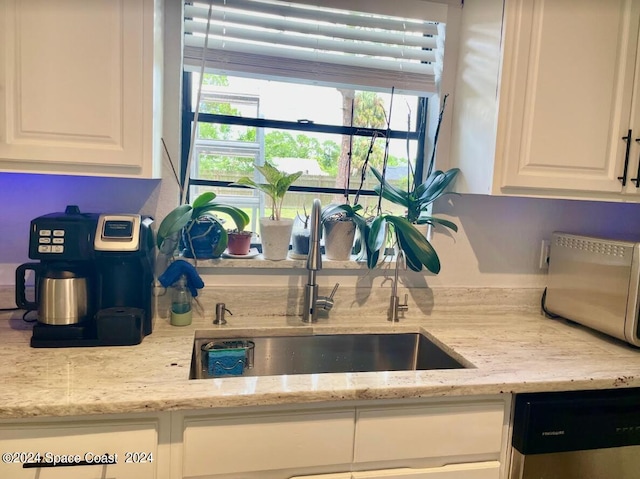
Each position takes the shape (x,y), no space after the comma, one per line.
(239,217)
(415,245)
(334,209)
(173,222)
(376,234)
(372,258)
(203,199)
(222,242)
(438,187)
(393,194)
(432,219)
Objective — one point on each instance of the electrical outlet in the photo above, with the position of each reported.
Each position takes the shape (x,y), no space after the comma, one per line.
(544,254)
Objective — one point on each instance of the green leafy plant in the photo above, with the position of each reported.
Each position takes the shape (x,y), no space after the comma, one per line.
(203,206)
(276,186)
(417,200)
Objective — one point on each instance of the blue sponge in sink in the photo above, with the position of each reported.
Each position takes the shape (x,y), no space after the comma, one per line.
(226,362)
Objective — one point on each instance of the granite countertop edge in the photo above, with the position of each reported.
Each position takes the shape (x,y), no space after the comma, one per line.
(512,352)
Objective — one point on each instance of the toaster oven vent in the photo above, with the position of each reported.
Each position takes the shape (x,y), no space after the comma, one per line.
(591,246)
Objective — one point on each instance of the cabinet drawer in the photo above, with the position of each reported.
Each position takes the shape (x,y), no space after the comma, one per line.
(266,442)
(135,445)
(429,431)
(336,475)
(480,470)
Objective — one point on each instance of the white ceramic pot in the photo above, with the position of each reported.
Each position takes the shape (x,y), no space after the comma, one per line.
(338,239)
(275,235)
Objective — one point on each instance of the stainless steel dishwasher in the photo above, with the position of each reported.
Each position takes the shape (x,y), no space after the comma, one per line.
(577,435)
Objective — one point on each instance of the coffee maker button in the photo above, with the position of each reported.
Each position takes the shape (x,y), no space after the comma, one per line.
(57,249)
(44,249)
(45,232)
(58,233)
(44,240)
(56,240)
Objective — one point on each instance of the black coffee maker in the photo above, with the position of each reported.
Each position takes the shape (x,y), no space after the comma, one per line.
(93,284)
(124,256)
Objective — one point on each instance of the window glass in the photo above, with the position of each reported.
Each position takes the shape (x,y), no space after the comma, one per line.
(303,130)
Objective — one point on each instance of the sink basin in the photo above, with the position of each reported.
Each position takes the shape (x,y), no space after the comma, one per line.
(311,354)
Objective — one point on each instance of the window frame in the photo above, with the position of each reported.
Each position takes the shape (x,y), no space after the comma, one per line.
(188,115)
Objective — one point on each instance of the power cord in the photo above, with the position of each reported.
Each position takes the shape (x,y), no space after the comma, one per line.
(24,316)
(546,312)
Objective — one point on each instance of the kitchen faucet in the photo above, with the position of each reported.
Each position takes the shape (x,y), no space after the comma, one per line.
(394,302)
(313,302)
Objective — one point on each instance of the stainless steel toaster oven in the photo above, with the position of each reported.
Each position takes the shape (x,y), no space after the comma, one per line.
(594,282)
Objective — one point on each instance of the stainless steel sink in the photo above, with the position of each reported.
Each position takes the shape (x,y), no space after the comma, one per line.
(311,354)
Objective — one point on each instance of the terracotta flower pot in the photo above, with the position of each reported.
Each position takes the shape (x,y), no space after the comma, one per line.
(239,242)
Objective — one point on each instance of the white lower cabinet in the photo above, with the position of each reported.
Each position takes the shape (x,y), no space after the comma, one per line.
(431,439)
(482,470)
(84,449)
(263,442)
(446,438)
(438,430)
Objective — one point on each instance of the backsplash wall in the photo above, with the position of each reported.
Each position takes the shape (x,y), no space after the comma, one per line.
(497,245)
(26,196)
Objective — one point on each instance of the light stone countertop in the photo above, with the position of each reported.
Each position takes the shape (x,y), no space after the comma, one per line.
(512,347)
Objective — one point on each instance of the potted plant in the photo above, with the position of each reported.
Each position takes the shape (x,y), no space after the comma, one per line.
(275,231)
(300,236)
(202,234)
(339,222)
(239,242)
(416,200)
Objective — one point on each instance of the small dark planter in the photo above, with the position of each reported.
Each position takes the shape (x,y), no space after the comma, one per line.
(200,239)
(300,241)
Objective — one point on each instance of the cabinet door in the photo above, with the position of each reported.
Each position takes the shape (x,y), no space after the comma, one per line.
(91,450)
(77,87)
(566,90)
(435,431)
(254,443)
(480,470)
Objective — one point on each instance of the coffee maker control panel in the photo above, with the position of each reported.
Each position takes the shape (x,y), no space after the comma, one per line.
(51,241)
(118,233)
(65,236)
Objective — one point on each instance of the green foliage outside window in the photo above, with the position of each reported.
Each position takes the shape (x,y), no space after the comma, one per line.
(369,111)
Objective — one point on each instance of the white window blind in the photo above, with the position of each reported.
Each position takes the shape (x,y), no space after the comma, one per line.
(315,43)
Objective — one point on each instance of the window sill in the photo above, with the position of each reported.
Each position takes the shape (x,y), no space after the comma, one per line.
(258,262)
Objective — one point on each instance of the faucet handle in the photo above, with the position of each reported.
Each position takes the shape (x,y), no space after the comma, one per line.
(335,288)
(404,306)
(326,302)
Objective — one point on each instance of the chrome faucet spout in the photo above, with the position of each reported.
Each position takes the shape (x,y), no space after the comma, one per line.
(312,302)
(394,302)
(314,259)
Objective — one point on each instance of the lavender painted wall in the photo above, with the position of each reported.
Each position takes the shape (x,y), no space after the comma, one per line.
(497,245)
(26,196)
(499,239)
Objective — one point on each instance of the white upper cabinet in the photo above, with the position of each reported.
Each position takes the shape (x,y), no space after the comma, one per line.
(545,102)
(80,84)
